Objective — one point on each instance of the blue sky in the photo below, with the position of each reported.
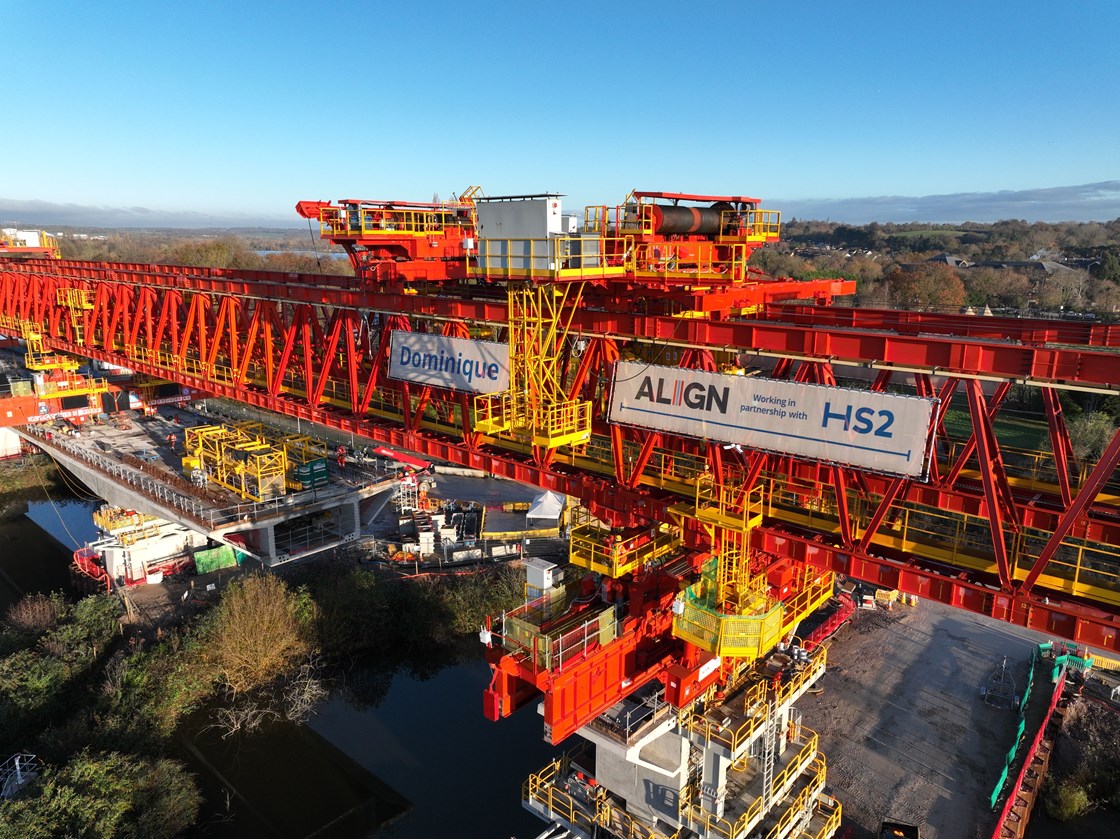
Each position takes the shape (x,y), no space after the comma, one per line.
(243,108)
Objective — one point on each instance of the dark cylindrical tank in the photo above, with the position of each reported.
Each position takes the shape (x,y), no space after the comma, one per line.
(699,221)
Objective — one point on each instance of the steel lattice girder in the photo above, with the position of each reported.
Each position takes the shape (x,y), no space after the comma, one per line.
(296,332)
(948,355)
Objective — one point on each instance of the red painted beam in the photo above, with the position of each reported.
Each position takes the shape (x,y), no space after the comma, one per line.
(950,354)
(1049,615)
(1025,330)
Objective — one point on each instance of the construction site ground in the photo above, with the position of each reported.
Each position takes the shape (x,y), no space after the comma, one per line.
(902,723)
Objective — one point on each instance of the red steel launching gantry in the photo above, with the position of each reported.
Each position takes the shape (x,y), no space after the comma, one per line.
(502,334)
(731,440)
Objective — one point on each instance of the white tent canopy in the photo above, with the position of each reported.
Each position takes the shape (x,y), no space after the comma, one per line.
(547,507)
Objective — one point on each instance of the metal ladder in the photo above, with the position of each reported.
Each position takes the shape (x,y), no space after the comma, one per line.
(769,746)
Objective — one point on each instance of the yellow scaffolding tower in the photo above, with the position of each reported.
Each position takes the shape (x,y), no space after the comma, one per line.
(728,611)
(77,300)
(536,407)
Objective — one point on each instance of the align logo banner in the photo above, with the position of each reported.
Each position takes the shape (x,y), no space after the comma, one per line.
(452,363)
(883,432)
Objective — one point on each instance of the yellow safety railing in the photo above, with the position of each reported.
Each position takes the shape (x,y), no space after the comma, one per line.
(131,537)
(803,800)
(833,811)
(75,299)
(1080,567)
(39,358)
(757,702)
(114,518)
(696,816)
(697,261)
(728,503)
(362,221)
(544,788)
(549,425)
(754,225)
(1034,469)
(737,635)
(594,547)
(70,385)
(553,649)
(561,257)
(635,217)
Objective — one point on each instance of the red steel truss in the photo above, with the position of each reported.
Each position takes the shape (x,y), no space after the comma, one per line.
(308,345)
(1027,539)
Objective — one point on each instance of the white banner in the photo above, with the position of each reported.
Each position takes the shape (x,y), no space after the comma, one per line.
(882,432)
(454,363)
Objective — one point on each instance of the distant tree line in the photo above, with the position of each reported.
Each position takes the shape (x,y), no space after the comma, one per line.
(1064,267)
(252,252)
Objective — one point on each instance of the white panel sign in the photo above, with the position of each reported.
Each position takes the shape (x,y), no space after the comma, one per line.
(454,363)
(882,432)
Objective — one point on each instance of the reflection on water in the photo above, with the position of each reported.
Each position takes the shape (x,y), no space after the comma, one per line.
(418,729)
(429,741)
(32,560)
(69,521)
(283,783)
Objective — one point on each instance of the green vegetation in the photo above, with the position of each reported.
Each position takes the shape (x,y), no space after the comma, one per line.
(880,256)
(102,710)
(1067,800)
(1089,433)
(105,796)
(1085,771)
(28,475)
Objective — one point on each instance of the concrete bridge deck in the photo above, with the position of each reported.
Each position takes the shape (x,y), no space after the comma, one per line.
(130,464)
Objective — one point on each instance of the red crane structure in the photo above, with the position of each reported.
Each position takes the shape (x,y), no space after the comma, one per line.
(732,439)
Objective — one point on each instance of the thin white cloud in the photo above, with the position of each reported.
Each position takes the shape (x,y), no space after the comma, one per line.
(1086,202)
(47,214)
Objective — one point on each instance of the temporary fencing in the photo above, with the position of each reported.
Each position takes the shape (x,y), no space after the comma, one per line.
(1009,805)
(1065,657)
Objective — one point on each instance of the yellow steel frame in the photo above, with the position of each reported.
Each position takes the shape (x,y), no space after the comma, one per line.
(592,546)
(236,458)
(536,407)
(304,449)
